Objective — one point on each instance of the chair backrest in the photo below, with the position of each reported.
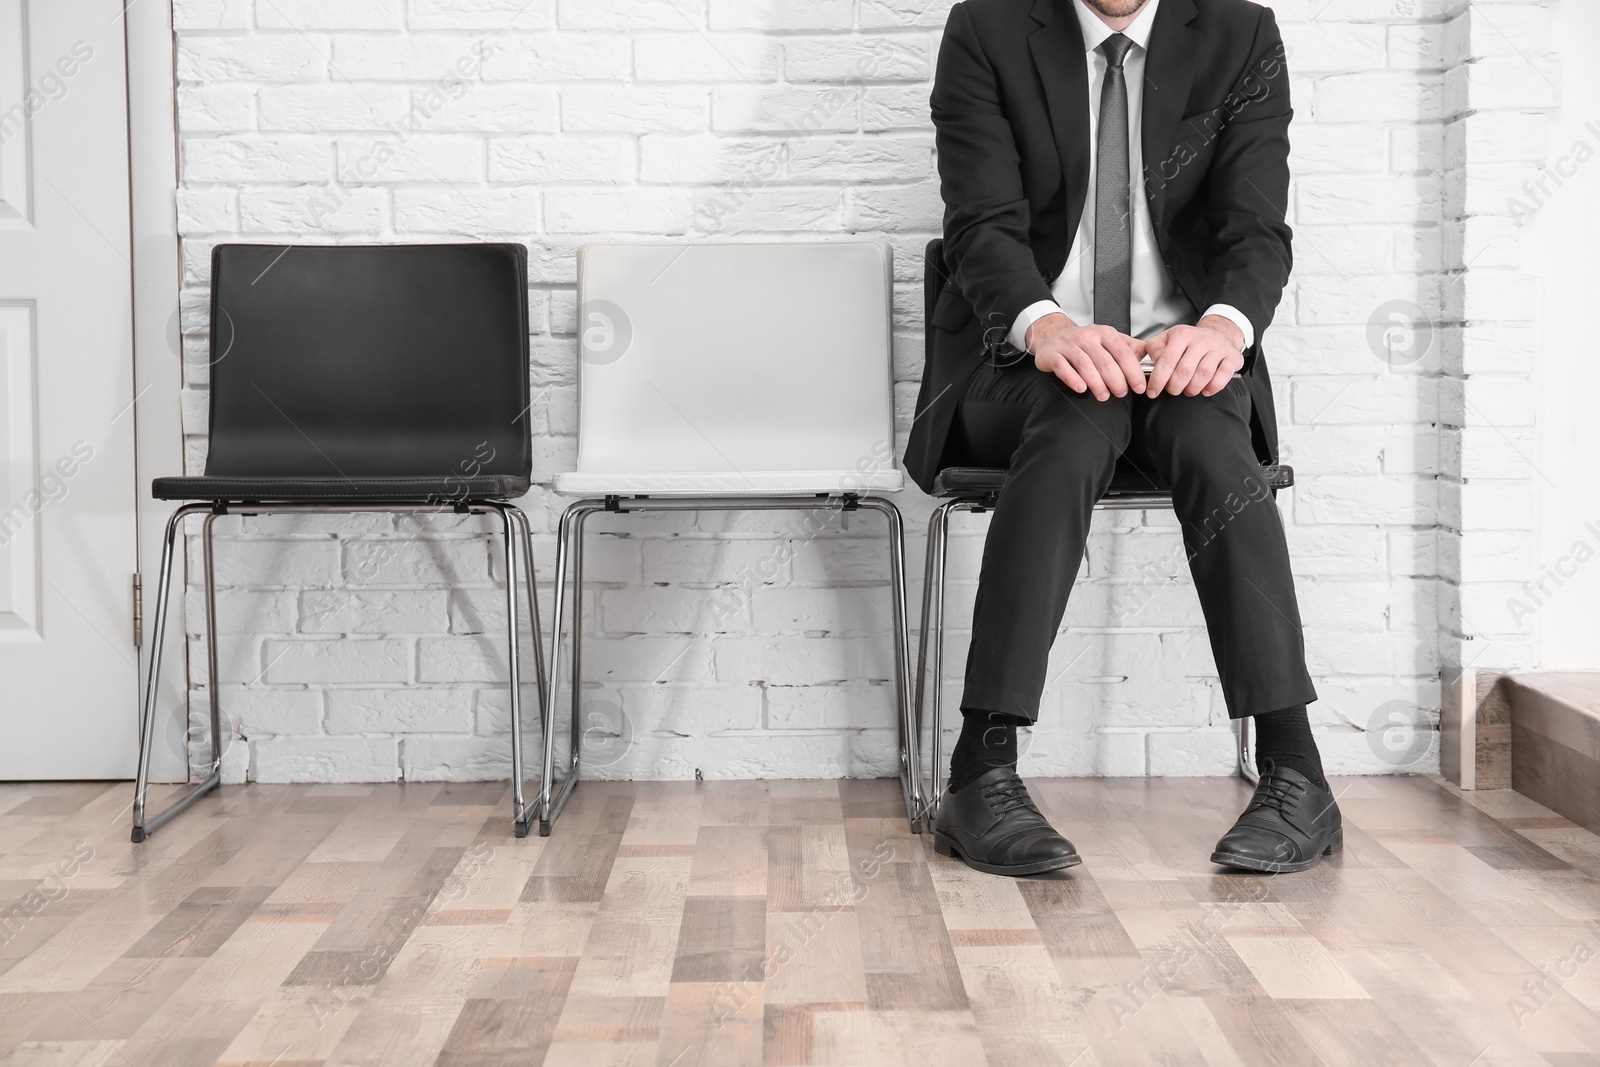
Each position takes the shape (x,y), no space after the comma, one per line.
(372,360)
(724,358)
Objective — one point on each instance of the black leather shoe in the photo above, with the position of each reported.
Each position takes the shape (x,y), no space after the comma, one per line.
(991,825)
(1289,825)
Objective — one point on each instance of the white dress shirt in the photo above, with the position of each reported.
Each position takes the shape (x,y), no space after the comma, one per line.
(1157,303)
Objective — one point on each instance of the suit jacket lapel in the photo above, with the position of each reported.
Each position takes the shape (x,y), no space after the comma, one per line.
(1168,74)
(1057,47)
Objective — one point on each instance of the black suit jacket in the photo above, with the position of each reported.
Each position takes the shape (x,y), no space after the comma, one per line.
(1011,111)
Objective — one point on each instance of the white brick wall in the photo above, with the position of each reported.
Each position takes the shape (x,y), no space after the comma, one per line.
(1502,79)
(350,652)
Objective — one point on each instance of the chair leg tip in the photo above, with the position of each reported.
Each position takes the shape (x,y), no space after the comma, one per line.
(520,828)
(138,834)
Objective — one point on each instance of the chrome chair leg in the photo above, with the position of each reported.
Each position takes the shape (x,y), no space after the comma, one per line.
(542,804)
(920,690)
(213,675)
(577,644)
(143,827)
(569,552)
(516,530)
(910,761)
(930,644)
(525,535)
(1247,759)
(940,549)
(551,800)
(519,811)
(519,546)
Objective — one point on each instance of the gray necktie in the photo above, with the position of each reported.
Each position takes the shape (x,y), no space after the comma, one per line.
(1113,222)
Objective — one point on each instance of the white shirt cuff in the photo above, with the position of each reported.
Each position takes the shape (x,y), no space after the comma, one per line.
(1018,337)
(1235,316)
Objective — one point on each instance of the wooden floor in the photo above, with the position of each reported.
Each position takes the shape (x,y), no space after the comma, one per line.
(786,923)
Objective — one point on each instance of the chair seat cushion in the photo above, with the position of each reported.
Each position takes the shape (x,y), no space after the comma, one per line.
(959,481)
(436,490)
(726,483)
(977,481)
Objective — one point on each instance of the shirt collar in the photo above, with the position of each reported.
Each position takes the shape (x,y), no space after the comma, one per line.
(1095,31)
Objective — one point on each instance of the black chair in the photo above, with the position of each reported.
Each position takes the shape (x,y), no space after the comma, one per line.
(977,489)
(359,379)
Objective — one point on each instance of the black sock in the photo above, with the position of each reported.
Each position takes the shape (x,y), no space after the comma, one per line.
(988,740)
(1283,739)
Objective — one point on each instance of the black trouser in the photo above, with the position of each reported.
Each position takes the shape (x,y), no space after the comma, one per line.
(1061,448)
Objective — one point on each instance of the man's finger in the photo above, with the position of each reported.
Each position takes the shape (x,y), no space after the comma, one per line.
(1183,373)
(1152,351)
(1127,356)
(1108,367)
(1167,363)
(1083,362)
(1229,365)
(1070,377)
(1203,373)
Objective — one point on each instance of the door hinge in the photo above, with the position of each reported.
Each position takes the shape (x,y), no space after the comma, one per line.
(138,611)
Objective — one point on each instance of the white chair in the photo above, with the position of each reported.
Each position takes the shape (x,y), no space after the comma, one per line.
(721,376)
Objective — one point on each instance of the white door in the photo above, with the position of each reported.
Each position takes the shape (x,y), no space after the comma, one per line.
(68,666)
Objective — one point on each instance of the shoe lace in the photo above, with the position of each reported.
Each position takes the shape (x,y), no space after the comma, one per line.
(1277,793)
(1009,796)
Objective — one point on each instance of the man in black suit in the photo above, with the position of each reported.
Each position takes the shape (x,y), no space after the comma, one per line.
(1115,177)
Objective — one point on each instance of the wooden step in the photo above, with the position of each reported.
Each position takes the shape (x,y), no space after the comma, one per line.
(1555,742)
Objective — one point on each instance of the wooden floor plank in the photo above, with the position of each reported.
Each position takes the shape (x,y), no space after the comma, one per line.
(1023,1011)
(814,957)
(789,923)
(632,941)
(405,1019)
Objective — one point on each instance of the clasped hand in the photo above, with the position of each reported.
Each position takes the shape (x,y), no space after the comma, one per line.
(1194,360)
